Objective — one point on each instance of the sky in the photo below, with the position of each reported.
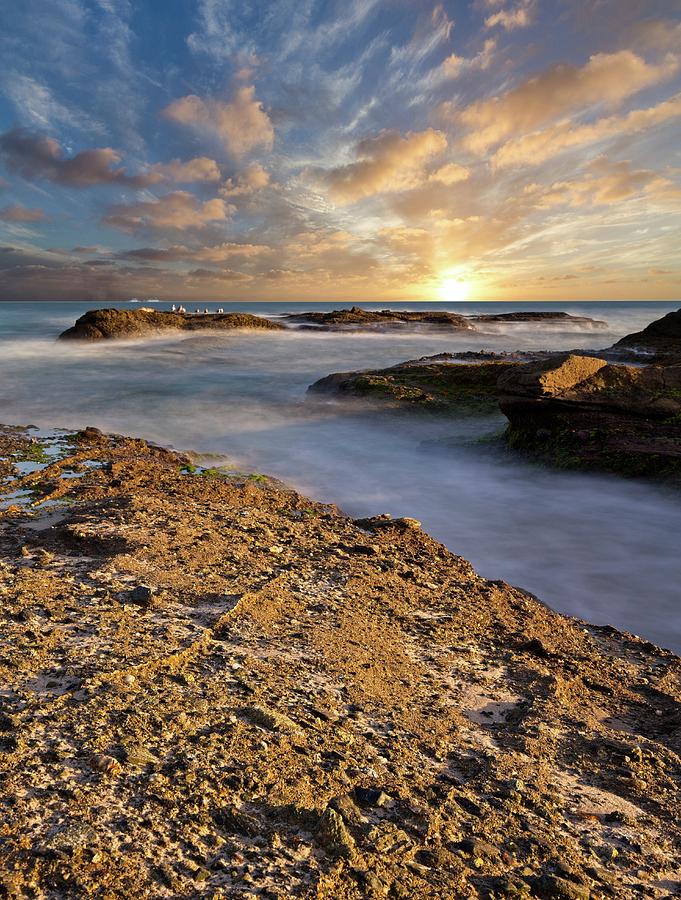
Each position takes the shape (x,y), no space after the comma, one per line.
(350,150)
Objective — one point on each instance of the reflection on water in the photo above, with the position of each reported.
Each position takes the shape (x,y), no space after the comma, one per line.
(594,546)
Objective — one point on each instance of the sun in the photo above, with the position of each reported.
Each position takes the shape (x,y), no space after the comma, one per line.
(454,290)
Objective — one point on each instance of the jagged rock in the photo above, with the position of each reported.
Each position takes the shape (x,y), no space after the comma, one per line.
(334,836)
(107,324)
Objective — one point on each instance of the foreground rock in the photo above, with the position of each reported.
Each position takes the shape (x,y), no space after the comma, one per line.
(356,317)
(580,411)
(659,342)
(214,687)
(106,324)
(432,383)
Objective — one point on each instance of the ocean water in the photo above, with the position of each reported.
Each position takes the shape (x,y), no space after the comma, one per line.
(594,546)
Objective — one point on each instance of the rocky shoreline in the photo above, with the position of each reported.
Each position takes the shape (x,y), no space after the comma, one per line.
(616,409)
(215,687)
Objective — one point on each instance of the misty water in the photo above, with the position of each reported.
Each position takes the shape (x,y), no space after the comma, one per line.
(596,546)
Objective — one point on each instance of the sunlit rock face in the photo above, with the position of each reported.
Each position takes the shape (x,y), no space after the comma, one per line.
(108,324)
(580,411)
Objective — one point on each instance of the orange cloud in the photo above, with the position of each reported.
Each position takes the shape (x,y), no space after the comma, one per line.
(536,147)
(387,162)
(179,209)
(606,79)
(242,125)
(199,169)
(518,17)
(606,182)
(254,178)
(451,173)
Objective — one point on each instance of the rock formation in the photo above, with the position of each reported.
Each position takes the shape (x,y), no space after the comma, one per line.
(105,324)
(659,342)
(361,318)
(540,316)
(356,317)
(214,687)
(581,411)
(429,383)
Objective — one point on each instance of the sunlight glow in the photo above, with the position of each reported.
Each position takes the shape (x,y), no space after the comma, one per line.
(454,290)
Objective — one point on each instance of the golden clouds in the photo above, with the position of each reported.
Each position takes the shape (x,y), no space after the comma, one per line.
(387,162)
(240,124)
(179,209)
(536,147)
(199,169)
(563,90)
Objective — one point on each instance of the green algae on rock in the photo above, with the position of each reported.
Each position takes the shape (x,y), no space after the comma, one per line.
(429,384)
(580,412)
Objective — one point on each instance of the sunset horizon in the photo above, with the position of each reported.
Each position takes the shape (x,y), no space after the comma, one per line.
(486,150)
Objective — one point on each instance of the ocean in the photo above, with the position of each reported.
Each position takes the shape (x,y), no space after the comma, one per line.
(594,546)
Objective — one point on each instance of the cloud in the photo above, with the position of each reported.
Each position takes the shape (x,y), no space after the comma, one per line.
(454,66)
(387,162)
(241,125)
(36,104)
(605,80)
(177,210)
(606,182)
(199,169)
(451,173)
(180,253)
(35,156)
(515,17)
(537,147)
(253,178)
(18,213)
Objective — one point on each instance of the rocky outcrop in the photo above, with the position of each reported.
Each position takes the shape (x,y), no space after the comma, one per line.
(356,317)
(540,316)
(434,384)
(349,319)
(659,342)
(581,411)
(303,705)
(107,324)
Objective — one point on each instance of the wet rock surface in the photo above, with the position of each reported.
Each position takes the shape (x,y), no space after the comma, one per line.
(107,324)
(355,317)
(580,411)
(540,316)
(310,722)
(659,342)
(439,384)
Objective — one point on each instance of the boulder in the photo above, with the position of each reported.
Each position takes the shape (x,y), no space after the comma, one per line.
(580,411)
(108,324)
